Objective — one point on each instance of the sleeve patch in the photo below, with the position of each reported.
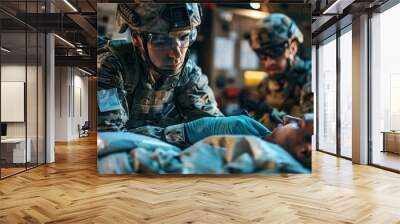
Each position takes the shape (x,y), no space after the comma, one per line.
(108,100)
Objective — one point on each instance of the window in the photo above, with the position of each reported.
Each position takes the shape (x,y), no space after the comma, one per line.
(385,89)
(22,76)
(346,93)
(327,96)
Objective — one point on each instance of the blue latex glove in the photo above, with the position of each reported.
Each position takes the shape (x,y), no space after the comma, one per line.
(235,125)
(277,116)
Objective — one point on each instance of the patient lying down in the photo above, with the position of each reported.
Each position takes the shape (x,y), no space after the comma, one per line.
(285,150)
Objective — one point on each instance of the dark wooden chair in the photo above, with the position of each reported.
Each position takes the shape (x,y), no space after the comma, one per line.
(84,129)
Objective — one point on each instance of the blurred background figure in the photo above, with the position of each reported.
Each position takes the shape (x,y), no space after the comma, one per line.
(287,87)
(102,36)
(228,101)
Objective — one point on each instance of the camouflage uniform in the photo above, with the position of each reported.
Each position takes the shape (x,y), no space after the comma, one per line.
(133,96)
(287,93)
(291,94)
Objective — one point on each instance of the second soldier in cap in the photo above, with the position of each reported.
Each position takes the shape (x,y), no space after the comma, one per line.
(287,86)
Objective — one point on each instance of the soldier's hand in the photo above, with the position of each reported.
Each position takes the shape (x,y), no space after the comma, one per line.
(277,116)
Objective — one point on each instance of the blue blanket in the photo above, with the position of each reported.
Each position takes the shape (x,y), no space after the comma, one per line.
(129,153)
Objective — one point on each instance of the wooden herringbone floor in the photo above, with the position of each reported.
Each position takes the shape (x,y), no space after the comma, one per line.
(70,191)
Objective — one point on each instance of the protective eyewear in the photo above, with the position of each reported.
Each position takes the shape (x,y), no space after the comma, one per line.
(272,52)
(171,40)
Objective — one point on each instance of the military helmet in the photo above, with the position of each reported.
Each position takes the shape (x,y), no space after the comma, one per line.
(274,30)
(158,18)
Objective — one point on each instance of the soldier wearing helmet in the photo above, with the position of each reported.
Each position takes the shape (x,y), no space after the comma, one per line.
(150,85)
(287,86)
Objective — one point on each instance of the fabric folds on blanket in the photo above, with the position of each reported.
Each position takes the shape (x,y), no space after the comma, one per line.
(128,153)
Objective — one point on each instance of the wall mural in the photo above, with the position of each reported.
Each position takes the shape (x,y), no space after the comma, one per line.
(172,96)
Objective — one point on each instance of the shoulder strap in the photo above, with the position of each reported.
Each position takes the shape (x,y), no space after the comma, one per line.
(127,56)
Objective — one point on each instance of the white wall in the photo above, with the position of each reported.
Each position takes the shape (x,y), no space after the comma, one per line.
(33,127)
(11,73)
(70,83)
(360,90)
(16,73)
(61,103)
(50,95)
(314,89)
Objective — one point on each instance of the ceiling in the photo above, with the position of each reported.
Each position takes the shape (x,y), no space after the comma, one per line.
(76,22)
(330,15)
(72,20)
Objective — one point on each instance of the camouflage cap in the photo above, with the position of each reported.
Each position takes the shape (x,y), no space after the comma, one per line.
(158,18)
(275,29)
